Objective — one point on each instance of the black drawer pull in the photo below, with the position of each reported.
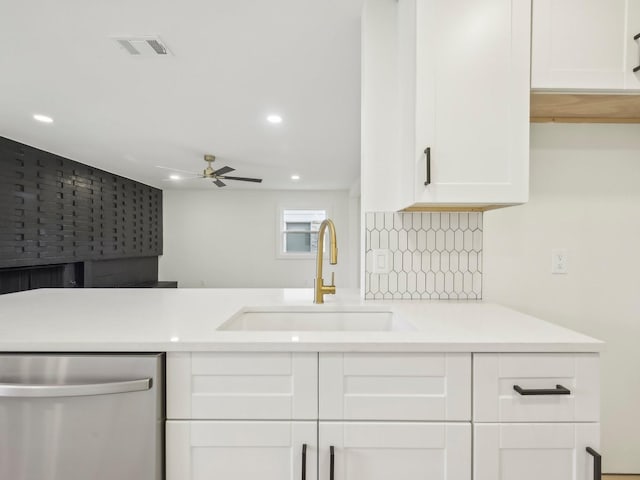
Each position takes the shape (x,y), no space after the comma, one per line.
(597,463)
(559,390)
(427,152)
(331,462)
(304,461)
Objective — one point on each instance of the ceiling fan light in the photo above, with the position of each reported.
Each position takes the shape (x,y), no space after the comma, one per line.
(42,118)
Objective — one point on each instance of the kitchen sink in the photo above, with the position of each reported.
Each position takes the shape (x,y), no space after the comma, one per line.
(315,319)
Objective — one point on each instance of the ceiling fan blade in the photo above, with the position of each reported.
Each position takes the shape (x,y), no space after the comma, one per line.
(244,179)
(219,183)
(176,170)
(223,170)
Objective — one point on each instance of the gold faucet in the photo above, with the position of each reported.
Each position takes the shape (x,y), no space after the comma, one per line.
(319,287)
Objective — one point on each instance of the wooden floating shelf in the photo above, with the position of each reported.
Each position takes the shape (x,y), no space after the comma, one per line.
(584,108)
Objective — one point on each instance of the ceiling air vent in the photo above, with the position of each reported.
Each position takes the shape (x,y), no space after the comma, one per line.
(149,46)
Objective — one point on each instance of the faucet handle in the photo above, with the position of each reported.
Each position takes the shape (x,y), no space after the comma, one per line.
(333,279)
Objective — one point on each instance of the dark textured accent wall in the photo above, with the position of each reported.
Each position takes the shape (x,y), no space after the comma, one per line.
(55,210)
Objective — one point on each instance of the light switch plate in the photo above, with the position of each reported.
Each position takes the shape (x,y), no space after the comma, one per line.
(381,261)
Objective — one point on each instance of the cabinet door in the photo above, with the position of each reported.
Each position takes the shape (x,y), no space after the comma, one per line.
(395,386)
(471,108)
(632,81)
(552,451)
(398,451)
(242,385)
(205,450)
(579,44)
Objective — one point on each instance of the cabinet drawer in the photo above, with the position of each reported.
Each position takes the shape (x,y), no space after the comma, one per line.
(542,378)
(390,386)
(221,385)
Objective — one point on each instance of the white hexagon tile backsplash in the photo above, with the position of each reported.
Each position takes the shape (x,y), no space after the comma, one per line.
(432,255)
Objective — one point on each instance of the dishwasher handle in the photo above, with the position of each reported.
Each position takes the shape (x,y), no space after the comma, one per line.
(88,389)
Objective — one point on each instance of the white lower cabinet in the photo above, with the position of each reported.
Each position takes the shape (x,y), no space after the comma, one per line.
(534,451)
(398,451)
(246,450)
(381,416)
(534,416)
(242,450)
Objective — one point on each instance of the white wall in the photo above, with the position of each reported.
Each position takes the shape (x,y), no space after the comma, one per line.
(585,197)
(227,238)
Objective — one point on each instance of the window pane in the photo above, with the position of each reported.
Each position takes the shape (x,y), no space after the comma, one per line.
(302,226)
(298,242)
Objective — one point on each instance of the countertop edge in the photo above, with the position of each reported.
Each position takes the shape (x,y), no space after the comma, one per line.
(436,347)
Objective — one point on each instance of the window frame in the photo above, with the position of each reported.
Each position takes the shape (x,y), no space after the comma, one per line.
(281,230)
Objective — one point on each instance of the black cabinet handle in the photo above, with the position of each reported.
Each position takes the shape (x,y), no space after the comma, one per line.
(304,461)
(331,462)
(597,463)
(559,390)
(427,152)
(638,67)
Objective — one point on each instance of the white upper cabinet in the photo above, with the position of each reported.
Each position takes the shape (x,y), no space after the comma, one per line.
(466,99)
(460,93)
(585,44)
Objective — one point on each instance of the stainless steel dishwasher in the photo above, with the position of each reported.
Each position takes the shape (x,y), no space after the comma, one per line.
(82,417)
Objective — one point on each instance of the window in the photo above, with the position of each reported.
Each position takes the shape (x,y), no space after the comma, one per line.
(299,232)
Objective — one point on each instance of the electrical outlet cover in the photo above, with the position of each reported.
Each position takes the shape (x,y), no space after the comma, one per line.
(559,261)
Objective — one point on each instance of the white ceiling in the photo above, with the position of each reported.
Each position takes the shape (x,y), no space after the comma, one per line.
(234,62)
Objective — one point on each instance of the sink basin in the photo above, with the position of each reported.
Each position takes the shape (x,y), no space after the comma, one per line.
(315,320)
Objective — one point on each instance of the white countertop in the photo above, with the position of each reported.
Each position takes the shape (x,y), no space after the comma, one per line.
(138,320)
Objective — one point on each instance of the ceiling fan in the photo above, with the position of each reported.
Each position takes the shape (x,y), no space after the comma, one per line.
(216,175)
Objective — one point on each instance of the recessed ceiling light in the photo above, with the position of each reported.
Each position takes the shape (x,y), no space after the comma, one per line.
(274,119)
(295,177)
(175,177)
(43,118)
